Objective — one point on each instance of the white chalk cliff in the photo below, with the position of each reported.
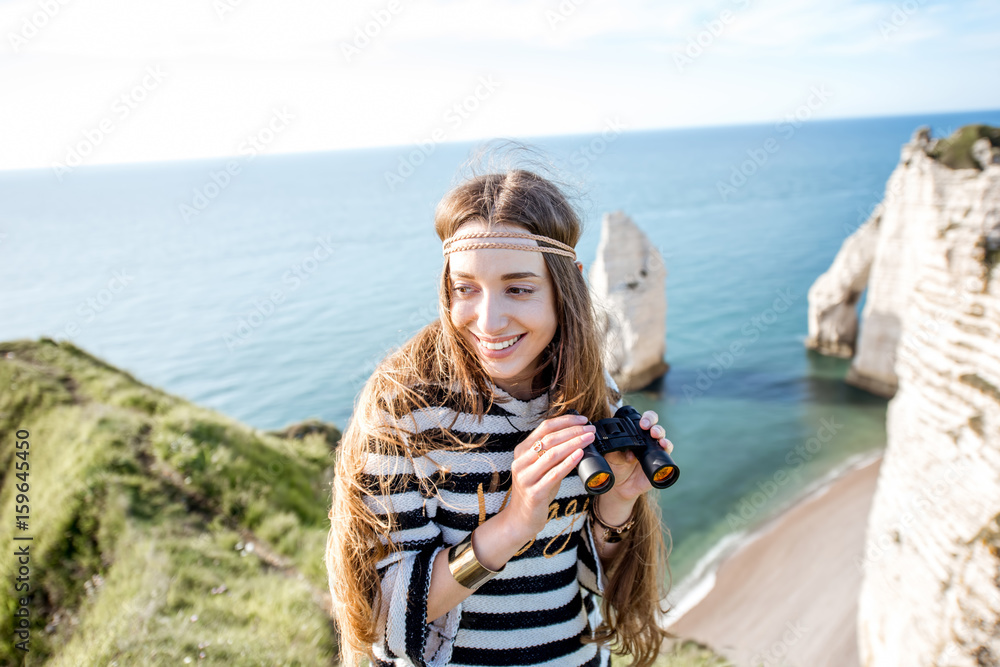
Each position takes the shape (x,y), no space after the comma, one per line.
(833,298)
(628,282)
(931,331)
(881,256)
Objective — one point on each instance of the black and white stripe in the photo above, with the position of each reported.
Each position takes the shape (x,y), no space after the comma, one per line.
(544,602)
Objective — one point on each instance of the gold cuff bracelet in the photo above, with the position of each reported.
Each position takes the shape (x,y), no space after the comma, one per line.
(464,566)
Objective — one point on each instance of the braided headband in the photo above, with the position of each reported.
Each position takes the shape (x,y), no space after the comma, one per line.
(452,244)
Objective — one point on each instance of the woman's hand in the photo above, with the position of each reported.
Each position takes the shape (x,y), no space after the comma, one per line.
(536,476)
(630,480)
(537,472)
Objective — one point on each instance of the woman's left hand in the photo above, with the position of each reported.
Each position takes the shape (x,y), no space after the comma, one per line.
(630,480)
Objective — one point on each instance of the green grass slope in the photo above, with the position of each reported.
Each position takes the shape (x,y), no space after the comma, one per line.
(956,151)
(159,530)
(684,653)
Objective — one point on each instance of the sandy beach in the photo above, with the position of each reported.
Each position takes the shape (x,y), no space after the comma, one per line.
(789,597)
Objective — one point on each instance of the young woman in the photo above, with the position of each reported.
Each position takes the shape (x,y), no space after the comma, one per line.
(461,533)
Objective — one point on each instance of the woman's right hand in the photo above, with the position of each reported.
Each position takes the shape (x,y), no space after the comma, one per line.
(536,478)
(535,482)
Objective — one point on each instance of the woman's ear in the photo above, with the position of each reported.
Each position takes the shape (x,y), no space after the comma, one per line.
(579,265)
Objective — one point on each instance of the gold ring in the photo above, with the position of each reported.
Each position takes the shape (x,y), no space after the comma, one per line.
(539,448)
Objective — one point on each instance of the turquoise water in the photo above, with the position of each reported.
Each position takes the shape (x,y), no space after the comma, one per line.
(272,298)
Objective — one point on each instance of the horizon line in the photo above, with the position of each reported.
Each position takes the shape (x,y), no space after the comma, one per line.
(472,142)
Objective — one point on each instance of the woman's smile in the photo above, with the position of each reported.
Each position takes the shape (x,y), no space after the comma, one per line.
(501,349)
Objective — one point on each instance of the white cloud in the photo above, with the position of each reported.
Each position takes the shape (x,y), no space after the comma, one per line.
(606,59)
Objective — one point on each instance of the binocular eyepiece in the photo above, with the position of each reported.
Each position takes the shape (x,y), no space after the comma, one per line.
(622,432)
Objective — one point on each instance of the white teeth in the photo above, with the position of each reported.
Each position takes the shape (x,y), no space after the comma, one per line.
(500,346)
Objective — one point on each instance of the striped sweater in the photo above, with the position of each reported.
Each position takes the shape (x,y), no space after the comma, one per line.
(544,601)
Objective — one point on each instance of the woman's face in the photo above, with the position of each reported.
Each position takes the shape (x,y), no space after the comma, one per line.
(503,298)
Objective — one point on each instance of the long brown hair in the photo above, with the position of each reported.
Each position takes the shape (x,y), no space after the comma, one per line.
(438,362)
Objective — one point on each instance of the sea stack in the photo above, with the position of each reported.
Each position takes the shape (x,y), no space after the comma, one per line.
(628,282)
(930,592)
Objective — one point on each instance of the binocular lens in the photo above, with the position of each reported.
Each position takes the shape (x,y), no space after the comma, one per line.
(598,480)
(663,474)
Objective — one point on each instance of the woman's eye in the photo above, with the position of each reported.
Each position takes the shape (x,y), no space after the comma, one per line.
(522,290)
(461,289)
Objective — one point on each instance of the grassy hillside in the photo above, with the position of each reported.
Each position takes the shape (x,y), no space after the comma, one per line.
(162,532)
(683,654)
(955,151)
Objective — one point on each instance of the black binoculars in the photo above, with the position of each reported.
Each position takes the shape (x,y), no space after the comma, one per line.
(618,433)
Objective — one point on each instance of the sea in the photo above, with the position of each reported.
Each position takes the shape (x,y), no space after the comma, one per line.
(268,286)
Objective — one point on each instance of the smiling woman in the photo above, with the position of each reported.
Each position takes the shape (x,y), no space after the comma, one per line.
(461,532)
(503,304)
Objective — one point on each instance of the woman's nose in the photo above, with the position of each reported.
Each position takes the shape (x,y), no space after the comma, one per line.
(491,317)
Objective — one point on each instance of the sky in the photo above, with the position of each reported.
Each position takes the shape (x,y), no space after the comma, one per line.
(87,82)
